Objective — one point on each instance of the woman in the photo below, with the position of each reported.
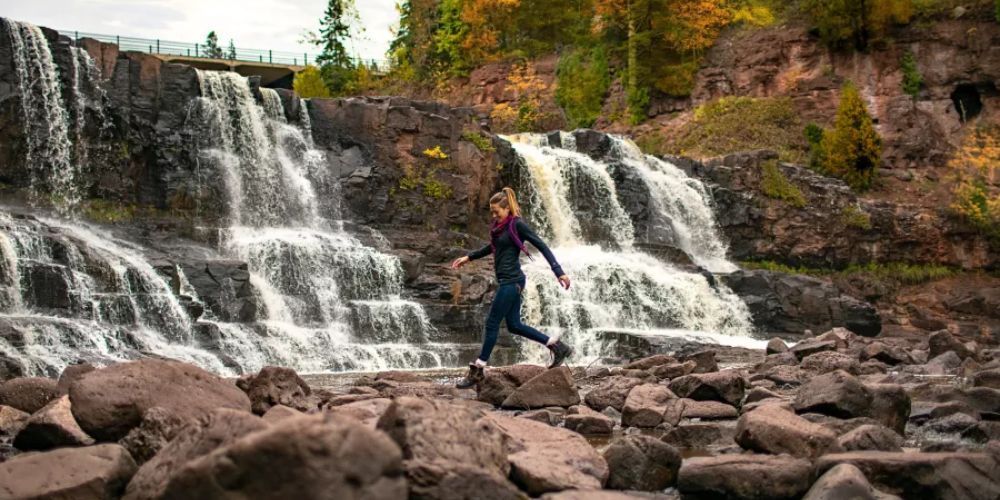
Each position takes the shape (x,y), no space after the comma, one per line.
(506,235)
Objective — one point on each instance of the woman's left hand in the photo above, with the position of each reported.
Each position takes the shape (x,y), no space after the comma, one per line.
(564,281)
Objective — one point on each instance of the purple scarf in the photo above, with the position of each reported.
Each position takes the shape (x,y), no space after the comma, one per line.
(507,224)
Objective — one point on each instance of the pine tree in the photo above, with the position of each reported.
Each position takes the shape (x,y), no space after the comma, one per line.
(231,51)
(852,151)
(335,29)
(309,83)
(212,48)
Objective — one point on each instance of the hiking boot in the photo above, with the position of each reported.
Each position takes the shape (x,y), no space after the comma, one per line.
(560,352)
(474,376)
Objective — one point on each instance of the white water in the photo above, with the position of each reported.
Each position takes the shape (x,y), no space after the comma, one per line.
(615,286)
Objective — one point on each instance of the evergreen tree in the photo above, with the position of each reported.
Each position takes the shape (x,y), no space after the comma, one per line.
(335,29)
(842,23)
(852,151)
(231,51)
(212,48)
(411,50)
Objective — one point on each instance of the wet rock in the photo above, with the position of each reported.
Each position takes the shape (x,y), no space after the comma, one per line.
(453,481)
(776,346)
(727,386)
(280,412)
(553,387)
(315,456)
(499,383)
(674,370)
(12,421)
(28,394)
(812,346)
(158,428)
(545,459)
(704,361)
(871,437)
(890,405)
(611,393)
(708,410)
(436,430)
(745,477)
(52,427)
(588,422)
(828,361)
(951,475)
(987,378)
(71,374)
(275,385)
(770,429)
(955,423)
(641,463)
(842,482)
(111,401)
(651,362)
(942,341)
(985,400)
(218,429)
(838,394)
(693,435)
(645,405)
(89,473)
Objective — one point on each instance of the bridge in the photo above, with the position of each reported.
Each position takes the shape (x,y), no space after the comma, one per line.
(275,68)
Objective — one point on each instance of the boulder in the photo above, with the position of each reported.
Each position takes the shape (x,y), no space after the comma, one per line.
(158,428)
(651,362)
(843,481)
(776,346)
(838,394)
(71,374)
(28,394)
(704,361)
(88,473)
(727,386)
(673,370)
(871,437)
(216,430)
(812,346)
(611,393)
(783,375)
(750,477)
(828,361)
(641,463)
(588,422)
(499,383)
(553,387)
(544,416)
(275,385)
(12,421)
(942,341)
(604,495)
(890,405)
(645,405)
(52,427)
(759,394)
(311,456)
(946,475)
(436,430)
(987,378)
(890,355)
(110,402)
(281,412)
(545,459)
(770,429)
(695,435)
(454,481)
(707,410)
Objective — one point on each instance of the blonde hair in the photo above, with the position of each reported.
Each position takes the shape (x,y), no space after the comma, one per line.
(506,199)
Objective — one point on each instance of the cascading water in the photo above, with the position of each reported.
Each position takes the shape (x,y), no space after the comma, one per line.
(334,301)
(574,201)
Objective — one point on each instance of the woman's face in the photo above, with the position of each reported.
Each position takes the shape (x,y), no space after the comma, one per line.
(499,213)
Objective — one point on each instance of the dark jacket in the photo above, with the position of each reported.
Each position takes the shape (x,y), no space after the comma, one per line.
(507,260)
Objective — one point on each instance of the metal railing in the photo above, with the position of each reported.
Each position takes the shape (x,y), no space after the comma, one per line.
(166,47)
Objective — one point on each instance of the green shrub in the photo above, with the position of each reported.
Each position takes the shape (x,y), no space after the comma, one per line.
(583,80)
(677,80)
(890,272)
(854,216)
(732,124)
(479,140)
(775,185)
(852,150)
(108,212)
(912,80)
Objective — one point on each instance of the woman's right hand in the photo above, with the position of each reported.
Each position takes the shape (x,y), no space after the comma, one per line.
(459,262)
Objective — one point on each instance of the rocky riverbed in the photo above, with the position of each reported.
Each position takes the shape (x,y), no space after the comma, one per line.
(833,416)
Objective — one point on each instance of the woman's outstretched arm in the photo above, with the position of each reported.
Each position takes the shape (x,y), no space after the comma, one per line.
(528,234)
(482,252)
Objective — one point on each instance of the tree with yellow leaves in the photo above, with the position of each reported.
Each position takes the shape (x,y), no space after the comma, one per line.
(852,151)
(977,193)
(309,83)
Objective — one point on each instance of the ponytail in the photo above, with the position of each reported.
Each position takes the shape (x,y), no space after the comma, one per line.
(507,199)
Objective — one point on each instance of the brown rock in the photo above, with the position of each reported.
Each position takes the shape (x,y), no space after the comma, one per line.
(641,463)
(454,481)
(674,370)
(890,355)
(727,386)
(987,378)
(275,385)
(158,428)
(71,374)
(281,412)
(588,422)
(890,405)
(779,359)
(315,456)
(216,430)
(612,392)
(544,416)
(553,387)
(812,346)
(28,394)
(828,361)
(111,401)
(838,394)
(693,435)
(758,394)
(708,410)
(651,362)
(770,429)
(499,383)
(776,346)
(871,437)
(367,411)
(946,475)
(90,473)
(52,427)
(545,459)
(645,405)
(704,361)
(942,341)
(841,482)
(12,421)
(748,477)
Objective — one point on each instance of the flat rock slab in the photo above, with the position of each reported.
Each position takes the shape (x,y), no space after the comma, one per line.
(499,383)
(645,405)
(771,429)
(611,393)
(552,387)
(745,477)
(547,459)
(727,386)
(52,427)
(91,473)
(946,475)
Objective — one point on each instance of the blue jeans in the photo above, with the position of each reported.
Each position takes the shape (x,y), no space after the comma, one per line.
(507,306)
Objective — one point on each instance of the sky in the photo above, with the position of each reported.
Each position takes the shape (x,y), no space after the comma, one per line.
(251,24)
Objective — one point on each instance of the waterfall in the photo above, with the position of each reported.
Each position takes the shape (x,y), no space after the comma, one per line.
(574,201)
